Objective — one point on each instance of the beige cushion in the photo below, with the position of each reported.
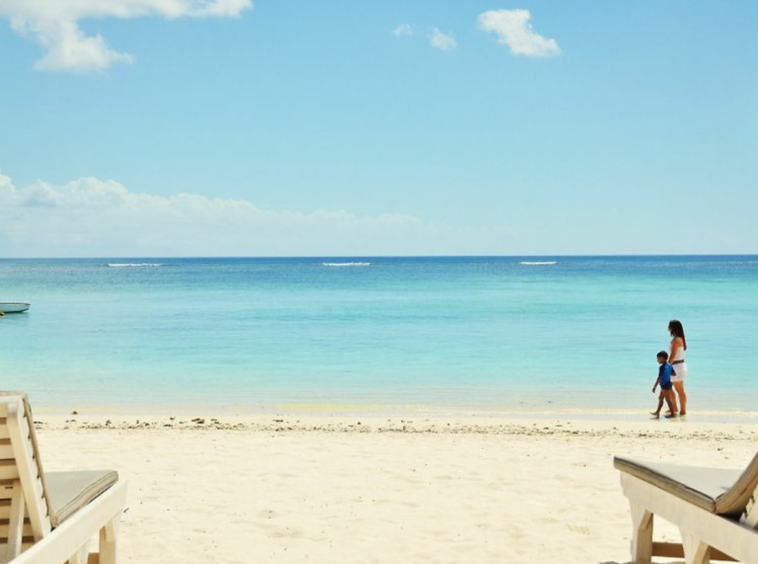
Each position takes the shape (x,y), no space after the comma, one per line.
(70,491)
(717,490)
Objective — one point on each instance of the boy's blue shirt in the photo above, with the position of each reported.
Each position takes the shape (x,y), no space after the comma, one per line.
(664,372)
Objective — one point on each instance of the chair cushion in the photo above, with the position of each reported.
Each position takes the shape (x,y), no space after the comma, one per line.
(70,491)
(708,488)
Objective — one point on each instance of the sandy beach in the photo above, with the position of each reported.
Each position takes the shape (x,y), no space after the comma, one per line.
(377,489)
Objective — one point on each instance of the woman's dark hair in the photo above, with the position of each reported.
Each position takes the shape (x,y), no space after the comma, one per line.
(676,328)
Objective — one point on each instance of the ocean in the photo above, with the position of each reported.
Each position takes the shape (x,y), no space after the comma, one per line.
(458,334)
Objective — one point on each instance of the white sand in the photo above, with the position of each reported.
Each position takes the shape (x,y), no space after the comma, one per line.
(323,491)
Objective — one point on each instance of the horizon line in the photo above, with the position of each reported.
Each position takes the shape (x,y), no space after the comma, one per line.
(630,255)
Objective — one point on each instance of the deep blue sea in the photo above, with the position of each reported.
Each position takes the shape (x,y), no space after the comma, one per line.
(493,334)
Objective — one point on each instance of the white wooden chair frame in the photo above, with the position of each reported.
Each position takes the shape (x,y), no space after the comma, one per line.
(27,516)
(705,536)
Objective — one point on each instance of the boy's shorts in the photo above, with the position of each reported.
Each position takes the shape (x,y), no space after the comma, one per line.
(666,386)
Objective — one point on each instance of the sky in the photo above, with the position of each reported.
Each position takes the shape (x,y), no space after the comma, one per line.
(294,127)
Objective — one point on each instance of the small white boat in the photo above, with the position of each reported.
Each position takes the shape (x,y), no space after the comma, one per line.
(13,307)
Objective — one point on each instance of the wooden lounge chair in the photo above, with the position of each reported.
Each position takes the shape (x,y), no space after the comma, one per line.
(50,517)
(714,508)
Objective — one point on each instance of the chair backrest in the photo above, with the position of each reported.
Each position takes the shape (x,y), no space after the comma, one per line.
(737,498)
(742,496)
(24,514)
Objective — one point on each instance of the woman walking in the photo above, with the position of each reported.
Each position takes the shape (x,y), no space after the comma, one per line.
(676,358)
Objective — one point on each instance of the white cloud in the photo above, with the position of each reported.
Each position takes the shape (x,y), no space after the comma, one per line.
(514,30)
(54,24)
(441,41)
(403,30)
(68,48)
(223,8)
(92,217)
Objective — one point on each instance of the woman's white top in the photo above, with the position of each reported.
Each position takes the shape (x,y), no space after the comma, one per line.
(680,352)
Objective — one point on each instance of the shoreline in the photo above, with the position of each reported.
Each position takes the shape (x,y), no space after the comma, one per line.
(553,424)
(344,412)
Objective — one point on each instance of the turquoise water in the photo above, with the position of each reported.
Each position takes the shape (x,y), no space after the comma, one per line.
(485,333)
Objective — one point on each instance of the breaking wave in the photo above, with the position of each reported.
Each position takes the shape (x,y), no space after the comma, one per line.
(133,264)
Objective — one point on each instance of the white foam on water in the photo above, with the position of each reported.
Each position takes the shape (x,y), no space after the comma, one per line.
(539,263)
(345,264)
(133,264)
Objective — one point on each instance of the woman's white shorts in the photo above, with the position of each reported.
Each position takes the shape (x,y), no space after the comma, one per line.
(681,372)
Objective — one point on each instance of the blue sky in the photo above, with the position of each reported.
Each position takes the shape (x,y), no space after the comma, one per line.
(638,133)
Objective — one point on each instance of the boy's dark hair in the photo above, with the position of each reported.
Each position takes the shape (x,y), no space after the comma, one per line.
(663,354)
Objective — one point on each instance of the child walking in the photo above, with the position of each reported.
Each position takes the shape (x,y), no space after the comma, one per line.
(664,380)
